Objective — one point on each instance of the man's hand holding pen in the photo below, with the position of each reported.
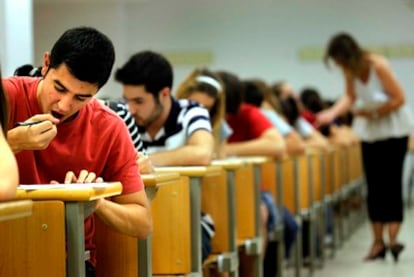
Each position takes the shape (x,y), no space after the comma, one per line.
(33,134)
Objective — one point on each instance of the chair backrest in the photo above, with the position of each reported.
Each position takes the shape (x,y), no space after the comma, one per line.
(171,240)
(116,253)
(245,195)
(214,201)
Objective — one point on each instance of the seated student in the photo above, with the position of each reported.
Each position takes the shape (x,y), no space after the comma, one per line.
(338,132)
(74,138)
(174,132)
(144,163)
(205,88)
(294,108)
(255,91)
(9,179)
(283,99)
(253,134)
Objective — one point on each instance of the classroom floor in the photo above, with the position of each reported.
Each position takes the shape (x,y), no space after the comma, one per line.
(349,259)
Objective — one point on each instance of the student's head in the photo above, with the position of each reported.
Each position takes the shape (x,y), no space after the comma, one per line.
(344,50)
(204,87)
(78,65)
(28,70)
(312,100)
(256,91)
(289,104)
(4,109)
(234,90)
(282,90)
(147,79)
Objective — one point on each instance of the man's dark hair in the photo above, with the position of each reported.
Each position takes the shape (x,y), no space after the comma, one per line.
(234,91)
(88,54)
(149,69)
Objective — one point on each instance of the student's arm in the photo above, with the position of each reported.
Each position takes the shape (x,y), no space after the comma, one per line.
(295,145)
(33,137)
(317,140)
(198,151)
(270,143)
(129,214)
(9,176)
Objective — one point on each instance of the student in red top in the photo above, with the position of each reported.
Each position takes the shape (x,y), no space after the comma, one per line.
(76,138)
(253,134)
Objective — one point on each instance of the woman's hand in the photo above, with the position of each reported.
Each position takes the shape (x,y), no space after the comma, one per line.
(324,117)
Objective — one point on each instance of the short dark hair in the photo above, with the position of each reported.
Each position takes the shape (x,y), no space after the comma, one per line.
(88,54)
(147,68)
(252,93)
(312,100)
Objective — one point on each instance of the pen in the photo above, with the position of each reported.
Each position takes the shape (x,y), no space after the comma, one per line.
(28,123)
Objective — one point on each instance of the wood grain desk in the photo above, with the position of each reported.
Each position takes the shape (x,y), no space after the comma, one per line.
(255,245)
(152,183)
(196,174)
(15,209)
(228,260)
(76,197)
(122,255)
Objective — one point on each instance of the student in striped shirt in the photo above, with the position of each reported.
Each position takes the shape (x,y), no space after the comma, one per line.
(174,132)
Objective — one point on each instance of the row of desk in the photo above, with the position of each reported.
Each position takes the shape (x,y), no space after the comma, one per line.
(44,227)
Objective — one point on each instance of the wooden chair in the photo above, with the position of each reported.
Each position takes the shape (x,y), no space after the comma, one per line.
(122,255)
(34,245)
(171,240)
(219,201)
(249,238)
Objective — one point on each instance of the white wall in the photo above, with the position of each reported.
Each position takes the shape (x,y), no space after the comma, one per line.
(16,34)
(258,38)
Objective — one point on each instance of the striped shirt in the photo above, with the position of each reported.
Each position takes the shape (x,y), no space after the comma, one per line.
(184,119)
(122,111)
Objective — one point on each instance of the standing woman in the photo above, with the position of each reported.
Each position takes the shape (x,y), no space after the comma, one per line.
(383,123)
(9,176)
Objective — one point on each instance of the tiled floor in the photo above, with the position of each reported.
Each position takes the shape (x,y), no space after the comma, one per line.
(348,260)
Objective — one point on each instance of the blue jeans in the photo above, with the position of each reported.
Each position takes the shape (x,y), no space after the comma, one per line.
(290,230)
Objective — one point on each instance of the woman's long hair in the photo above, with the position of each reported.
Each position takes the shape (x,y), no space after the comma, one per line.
(193,83)
(344,49)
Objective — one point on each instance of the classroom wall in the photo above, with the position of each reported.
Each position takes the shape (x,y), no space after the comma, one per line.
(261,38)
(16,34)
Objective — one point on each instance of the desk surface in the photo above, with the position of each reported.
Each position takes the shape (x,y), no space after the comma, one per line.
(69,192)
(230,163)
(15,209)
(191,171)
(160,179)
(257,159)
